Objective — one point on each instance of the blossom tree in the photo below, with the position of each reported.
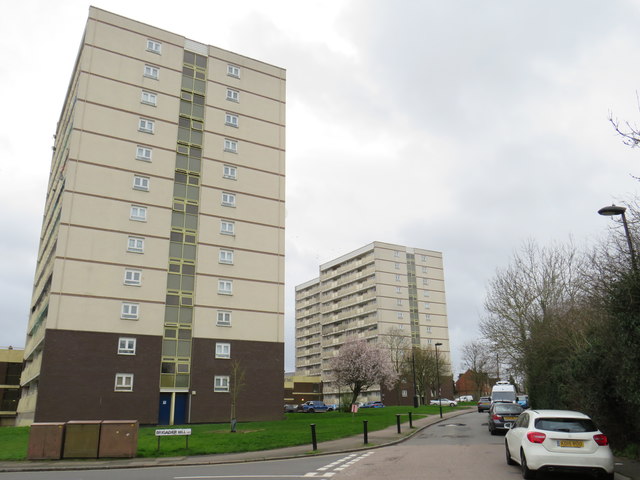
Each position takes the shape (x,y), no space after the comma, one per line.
(360,365)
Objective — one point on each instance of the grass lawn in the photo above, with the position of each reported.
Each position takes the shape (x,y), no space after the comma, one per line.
(249,436)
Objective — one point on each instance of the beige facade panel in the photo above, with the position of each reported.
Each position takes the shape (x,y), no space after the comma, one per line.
(249,180)
(249,128)
(102,63)
(114,214)
(121,153)
(248,104)
(389,278)
(249,154)
(113,247)
(108,281)
(246,264)
(253,77)
(432,308)
(101,91)
(123,125)
(257,326)
(248,62)
(247,236)
(247,207)
(133,42)
(126,23)
(259,296)
(104,315)
(132,186)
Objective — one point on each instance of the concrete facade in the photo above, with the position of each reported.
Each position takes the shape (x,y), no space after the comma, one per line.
(161,261)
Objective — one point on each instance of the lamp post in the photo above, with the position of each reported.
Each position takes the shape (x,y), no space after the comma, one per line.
(612,210)
(438,379)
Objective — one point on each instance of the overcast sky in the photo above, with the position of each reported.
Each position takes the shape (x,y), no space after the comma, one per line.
(461,126)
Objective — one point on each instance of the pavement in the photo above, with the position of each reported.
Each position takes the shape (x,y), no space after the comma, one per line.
(626,469)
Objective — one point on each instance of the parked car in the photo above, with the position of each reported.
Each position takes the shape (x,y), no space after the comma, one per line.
(523,401)
(313,406)
(376,404)
(443,401)
(556,440)
(502,416)
(331,407)
(290,407)
(465,398)
(484,403)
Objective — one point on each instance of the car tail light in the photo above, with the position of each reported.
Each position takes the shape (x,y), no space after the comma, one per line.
(536,437)
(601,440)
(496,417)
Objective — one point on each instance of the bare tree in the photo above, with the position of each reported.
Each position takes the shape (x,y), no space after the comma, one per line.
(237,384)
(628,131)
(360,365)
(477,358)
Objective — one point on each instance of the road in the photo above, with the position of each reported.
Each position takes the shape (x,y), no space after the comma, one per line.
(457,449)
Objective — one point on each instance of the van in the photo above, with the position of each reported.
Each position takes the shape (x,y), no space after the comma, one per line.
(465,398)
(503,392)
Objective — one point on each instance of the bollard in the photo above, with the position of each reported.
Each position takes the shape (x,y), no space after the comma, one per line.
(366,432)
(410,420)
(398,422)
(313,437)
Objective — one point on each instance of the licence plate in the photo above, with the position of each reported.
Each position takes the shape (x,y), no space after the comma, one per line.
(571,443)
(511,418)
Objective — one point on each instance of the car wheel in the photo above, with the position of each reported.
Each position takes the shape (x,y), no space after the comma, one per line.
(510,460)
(607,476)
(311,410)
(493,431)
(452,404)
(527,473)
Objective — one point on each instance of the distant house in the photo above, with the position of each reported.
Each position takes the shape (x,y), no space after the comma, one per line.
(473,383)
(10,369)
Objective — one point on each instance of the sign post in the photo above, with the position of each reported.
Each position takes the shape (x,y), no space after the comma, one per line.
(170,432)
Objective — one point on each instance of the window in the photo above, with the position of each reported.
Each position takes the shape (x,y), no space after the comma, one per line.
(145,125)
(140,183)
(229,171)
(429,341)
(149,98)
(231,120)
(154,46)
(398,289)
(230,145)
(126,346)
(233,95)
(427,306)
(399,302)
(233,71)
(129,311)
(223,318)
(428,329)
(221,383)
(227,228)
(398,278)
(396,253)
(404,393)
(135,244)
(225,287)
(124,382)
(424,269)
(228,199)
(138,213)
(425,281)
(226,256)
(151,72)
(397,266)
(427,317)
(223,350)
(400,315)
(143,153)
(132,277)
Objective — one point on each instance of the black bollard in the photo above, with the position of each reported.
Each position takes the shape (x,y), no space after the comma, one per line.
(366,431)
(313,437)
(398,422)
(410,420)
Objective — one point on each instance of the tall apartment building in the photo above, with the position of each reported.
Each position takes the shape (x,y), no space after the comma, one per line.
(160,271)
(365,294)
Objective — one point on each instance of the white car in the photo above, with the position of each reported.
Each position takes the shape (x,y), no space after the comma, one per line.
(443,401)
(557,440)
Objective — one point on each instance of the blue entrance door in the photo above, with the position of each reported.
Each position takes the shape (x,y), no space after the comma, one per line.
(164,415)
(180,409)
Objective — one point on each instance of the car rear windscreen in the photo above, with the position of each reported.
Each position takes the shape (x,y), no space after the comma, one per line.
(566,425)
(508,408)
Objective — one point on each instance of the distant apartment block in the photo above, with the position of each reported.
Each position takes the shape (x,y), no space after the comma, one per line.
(160,269)
(365,294)
(10,369)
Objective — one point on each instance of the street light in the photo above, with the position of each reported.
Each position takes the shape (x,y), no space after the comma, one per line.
(612,210)
(438,379)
